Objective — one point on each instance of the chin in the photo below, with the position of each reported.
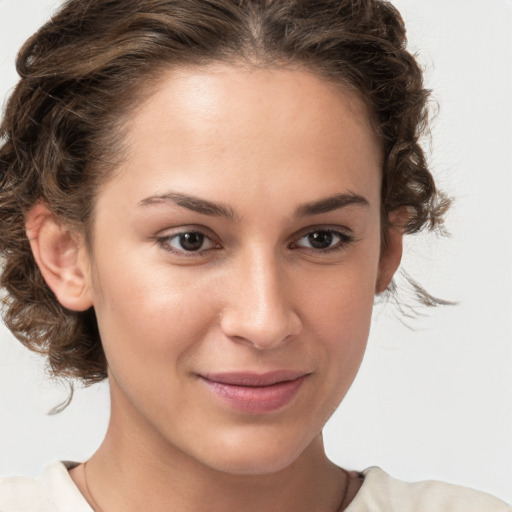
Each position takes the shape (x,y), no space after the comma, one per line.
(263,465)
(254,454)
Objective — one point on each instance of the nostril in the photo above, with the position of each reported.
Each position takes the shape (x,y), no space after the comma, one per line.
(263,333)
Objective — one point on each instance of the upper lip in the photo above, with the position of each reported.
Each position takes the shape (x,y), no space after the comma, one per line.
(254,378)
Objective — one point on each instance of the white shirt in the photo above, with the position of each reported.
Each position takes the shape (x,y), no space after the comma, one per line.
(55,491)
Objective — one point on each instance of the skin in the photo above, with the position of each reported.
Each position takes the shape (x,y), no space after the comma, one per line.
(264,145)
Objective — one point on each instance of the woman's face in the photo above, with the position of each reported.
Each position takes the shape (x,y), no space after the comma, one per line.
(235,259)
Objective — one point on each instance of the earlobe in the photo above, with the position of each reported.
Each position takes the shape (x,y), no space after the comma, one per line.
(61,257)
(392,252)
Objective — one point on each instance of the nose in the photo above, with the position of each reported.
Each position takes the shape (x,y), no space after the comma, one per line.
(259,309)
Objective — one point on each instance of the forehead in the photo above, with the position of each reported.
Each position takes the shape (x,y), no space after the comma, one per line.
(205,127)
(203,96)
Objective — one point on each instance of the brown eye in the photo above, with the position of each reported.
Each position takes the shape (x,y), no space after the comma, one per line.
(187,242)
(324,240)
(190,241)
(320,239)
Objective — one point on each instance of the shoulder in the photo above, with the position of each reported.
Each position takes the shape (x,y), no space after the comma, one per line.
(381,493)
(53,491)
(22,493)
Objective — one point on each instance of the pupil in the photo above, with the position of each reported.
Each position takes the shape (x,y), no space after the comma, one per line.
(191,241)
(320,239)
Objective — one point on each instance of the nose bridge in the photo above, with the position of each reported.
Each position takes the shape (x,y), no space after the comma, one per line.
(259,310)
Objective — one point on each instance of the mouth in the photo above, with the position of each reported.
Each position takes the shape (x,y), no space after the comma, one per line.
(255,393)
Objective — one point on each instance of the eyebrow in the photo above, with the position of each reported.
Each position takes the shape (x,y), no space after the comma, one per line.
(192,203)
(330,204)
(206,207)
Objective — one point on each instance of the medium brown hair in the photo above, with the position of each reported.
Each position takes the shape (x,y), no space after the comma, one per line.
(85,69)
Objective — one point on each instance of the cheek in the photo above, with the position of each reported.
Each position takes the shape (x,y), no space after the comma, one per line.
(148,315)
(344,325)
(340,300)
(337,325)
(339,317)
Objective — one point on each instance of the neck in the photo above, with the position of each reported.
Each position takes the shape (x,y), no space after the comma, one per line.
(135,469)
(130,479)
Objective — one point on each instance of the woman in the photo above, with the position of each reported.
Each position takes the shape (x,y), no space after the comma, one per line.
(200,200)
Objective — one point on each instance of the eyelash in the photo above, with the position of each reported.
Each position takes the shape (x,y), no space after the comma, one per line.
(165,243)
(344,240)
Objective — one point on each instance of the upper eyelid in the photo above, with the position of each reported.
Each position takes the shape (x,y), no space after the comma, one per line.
(193,228)
(171,232)
(343,230)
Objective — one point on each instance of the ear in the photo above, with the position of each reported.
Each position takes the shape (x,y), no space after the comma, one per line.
(62,258)
(392,254)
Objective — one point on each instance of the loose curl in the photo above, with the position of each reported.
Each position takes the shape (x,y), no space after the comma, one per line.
(87,69)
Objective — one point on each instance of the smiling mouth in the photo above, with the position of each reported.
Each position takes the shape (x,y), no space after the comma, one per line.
(255,393)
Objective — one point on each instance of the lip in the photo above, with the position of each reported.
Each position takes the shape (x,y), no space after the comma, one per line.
(255,393)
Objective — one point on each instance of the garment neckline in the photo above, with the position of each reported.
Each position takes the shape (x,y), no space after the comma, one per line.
(57,478)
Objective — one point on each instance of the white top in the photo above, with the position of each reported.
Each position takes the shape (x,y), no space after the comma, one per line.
(55,491)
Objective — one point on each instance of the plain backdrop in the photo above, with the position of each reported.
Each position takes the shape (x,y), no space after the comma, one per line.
(433,399)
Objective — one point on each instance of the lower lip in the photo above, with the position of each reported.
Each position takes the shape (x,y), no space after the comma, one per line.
(256,399)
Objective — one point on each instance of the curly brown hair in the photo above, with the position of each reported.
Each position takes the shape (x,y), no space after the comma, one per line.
(83,72)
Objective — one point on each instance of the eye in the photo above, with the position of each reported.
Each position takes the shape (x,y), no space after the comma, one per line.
(187,242)
(324,240)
